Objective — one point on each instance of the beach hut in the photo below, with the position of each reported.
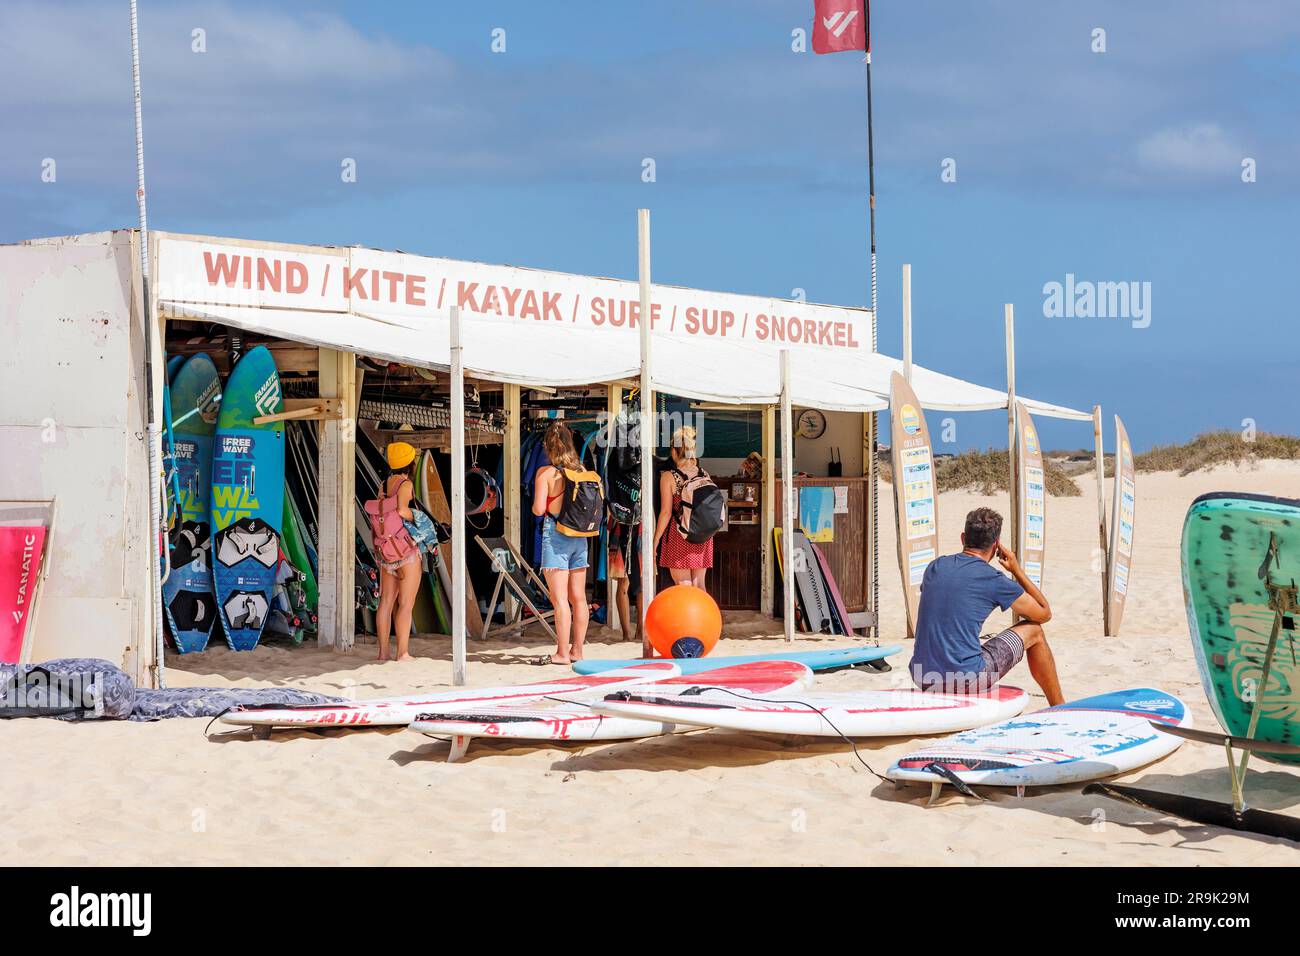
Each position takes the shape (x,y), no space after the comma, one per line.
(74,416)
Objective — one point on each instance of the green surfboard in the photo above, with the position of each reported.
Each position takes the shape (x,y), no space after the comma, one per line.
(1241,565)
(292,538)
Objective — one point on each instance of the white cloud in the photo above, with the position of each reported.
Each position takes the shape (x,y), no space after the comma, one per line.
(1200,149)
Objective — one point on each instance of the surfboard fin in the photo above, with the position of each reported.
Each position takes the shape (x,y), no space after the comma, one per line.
(947,774)
(459,745)
(1196,810)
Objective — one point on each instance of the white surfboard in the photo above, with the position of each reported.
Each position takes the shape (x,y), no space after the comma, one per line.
(1081,740)
(574,719)
(863,713)
(400,711)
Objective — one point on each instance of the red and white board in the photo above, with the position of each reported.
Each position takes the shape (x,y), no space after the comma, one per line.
(400,711)
(576,719)
(863,713)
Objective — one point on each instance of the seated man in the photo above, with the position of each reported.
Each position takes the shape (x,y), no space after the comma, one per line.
(958,593)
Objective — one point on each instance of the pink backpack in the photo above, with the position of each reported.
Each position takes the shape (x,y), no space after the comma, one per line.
(392,541)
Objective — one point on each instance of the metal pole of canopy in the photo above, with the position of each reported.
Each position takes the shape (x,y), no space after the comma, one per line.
(457,503)
(1013,488)
(1099,466)
(787,496)
(647,425)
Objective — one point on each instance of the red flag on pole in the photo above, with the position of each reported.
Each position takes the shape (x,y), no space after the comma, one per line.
(840,25)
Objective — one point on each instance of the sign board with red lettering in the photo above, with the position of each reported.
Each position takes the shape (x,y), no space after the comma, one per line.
(404,289)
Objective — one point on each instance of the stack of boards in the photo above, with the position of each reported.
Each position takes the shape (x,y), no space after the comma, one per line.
(549,710)
(1085,740)
(243,542)
(818,602)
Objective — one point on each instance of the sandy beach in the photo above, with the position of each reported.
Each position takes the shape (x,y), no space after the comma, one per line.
(130,793)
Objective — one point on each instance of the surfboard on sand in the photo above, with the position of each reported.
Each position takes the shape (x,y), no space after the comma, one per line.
(247,498)
(575,719)
(861,713)
(400,711)
(189,599)
(813,660)
(1080,740)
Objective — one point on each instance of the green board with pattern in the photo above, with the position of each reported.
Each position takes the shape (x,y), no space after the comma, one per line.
(1241,566)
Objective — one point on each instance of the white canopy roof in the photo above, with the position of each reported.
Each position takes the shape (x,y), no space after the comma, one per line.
(533,327)
(723,372)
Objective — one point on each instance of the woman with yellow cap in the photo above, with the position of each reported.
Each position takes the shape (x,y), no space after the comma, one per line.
(399,581)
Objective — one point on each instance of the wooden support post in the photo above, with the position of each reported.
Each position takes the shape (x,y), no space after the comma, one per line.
(1099,467)
(787,495)
(510,473)
(767,597)
(871,540)
(458,576)
(336,508)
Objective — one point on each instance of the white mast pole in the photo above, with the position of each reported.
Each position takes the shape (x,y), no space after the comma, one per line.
(458,589)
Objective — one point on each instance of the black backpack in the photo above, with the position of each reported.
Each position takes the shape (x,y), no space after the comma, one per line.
(623,476)
(583,506)
(703,511)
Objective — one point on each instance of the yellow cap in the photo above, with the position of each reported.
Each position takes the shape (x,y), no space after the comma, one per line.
(400,454)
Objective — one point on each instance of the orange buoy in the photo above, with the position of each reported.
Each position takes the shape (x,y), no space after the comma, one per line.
(683,621)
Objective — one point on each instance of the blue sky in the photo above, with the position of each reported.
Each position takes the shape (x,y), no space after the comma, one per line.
(1115,166)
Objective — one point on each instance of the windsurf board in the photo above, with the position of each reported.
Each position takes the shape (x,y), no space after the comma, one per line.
(247,498)
(189,598)
(1081,740)
(576,719)
(400,711)
(863,713)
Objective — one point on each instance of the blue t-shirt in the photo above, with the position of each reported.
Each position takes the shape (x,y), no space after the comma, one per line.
(958,593)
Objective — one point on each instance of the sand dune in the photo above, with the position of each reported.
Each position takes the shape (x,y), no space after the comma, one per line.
(164,794)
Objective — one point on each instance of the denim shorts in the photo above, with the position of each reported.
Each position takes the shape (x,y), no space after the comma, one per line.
(560,552)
